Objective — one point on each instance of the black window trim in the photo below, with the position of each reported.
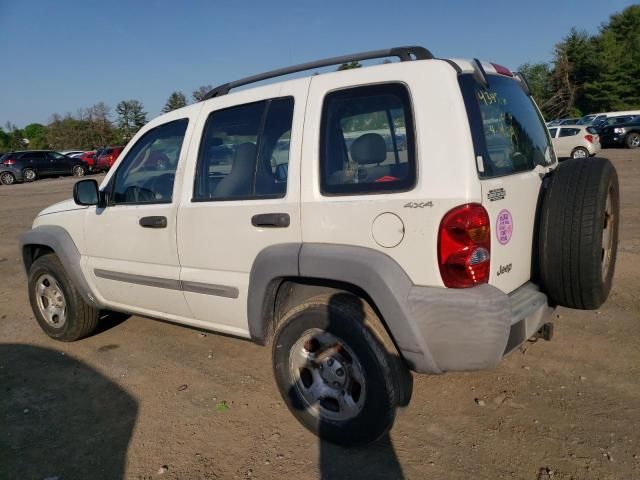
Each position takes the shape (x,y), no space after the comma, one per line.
(259,135)
(412,146)
(109,189)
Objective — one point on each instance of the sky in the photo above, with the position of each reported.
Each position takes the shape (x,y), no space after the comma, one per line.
(60,56)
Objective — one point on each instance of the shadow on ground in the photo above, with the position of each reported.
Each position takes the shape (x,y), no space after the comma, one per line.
(60,418)
(377,460)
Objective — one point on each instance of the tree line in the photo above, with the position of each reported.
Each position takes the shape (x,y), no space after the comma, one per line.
(90,127)
(591,73)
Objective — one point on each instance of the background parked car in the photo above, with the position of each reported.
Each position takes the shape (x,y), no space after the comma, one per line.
(607,122)
(575,141)
(105,158)
(88,158)
(26,166)
(71,153)
(623,134)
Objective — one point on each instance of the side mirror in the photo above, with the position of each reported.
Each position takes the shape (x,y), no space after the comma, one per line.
(85,192)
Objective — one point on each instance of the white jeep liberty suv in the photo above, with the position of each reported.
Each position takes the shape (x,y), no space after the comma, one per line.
(366,223)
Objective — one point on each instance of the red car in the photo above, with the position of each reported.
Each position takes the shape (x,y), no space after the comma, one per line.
(106,158)
(88,158)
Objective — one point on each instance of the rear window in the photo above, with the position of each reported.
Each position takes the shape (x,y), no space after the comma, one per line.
(508,131)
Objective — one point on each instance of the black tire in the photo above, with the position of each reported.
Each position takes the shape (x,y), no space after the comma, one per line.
(7,178)
(580,152)
(572,255)
(350,321)
(632,140)
(29,175)
(81,319)
(79,171)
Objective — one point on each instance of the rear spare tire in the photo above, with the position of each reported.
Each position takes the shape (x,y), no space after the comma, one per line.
(578,238)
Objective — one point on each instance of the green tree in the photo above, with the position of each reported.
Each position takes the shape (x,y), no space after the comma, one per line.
(538,76)
(199,93)
(36,133)
(349,66)
(131,117)
(176,100)
(616,84)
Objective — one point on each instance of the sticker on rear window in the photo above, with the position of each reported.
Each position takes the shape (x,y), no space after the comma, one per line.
(504,227)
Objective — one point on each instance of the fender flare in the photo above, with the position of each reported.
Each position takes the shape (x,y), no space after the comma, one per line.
(58,239)
(374,272)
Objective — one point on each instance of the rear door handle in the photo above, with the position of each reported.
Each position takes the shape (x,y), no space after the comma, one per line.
(153,222)
(271,220)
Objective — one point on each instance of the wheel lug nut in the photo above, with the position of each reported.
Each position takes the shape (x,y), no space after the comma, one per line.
(340,372)
(330,362)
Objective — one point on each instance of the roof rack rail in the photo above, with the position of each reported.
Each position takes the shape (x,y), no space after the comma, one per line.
(403,53)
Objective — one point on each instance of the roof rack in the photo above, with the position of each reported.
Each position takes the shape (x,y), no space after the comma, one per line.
(403,53)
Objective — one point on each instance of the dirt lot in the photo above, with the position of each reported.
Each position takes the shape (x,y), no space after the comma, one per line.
(142,399)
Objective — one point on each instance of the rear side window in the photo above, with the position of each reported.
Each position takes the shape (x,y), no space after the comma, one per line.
(508,131)
(552,132)
(568,132)
(244,152)
(33,156)
(367,141)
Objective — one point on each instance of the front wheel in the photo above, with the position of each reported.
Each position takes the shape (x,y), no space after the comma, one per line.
(79,171)
(56,304)
(29,175)
(633,140)
(333,372)
(580,152)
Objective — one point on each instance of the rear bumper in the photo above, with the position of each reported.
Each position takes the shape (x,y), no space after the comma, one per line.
(474,328)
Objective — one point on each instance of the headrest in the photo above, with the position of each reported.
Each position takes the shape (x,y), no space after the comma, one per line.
(369,148)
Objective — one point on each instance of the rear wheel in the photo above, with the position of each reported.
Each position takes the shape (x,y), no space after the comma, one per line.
(334,373)
(79,171)
(7,178)
(56,304)
(632,140)
(579,233)
(29,174)
(580,152)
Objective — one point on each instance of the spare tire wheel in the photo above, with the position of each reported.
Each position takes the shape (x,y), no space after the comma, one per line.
(578,238)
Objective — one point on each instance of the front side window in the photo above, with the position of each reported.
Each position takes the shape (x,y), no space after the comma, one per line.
(244,152)
(508,131)
(367,141)
(147,173)
(55,155)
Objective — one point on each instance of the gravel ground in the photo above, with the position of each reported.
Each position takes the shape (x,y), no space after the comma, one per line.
(145,399)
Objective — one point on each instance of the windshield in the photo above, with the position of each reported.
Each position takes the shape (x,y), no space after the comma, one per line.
(586,120)
(509,132)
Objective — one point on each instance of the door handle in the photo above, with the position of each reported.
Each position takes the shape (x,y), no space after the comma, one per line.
(153,222)
(271,220)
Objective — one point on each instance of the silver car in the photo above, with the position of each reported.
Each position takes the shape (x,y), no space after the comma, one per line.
(575,141)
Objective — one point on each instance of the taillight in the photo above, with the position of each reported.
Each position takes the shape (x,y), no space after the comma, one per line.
(589,138)
(464,246)
(9,161)
(502,70)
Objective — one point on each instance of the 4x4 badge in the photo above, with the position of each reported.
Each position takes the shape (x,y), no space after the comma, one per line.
(418,204)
